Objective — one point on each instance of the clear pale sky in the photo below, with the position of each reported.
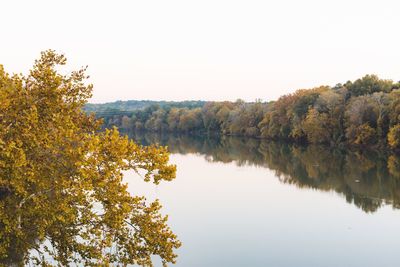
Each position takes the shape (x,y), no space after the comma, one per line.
(211,50)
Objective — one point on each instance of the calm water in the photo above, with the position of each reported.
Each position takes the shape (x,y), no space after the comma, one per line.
(244,202)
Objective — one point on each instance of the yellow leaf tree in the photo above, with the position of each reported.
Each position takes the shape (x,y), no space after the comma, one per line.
(394,137)
(62,196)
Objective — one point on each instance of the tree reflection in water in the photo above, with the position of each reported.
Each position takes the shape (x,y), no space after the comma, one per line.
(368,179)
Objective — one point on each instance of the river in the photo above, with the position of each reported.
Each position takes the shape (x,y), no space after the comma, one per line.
(247,202)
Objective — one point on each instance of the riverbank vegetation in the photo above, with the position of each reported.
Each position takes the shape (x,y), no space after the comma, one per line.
(365,112)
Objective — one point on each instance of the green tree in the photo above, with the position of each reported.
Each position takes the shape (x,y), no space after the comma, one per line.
(369,84)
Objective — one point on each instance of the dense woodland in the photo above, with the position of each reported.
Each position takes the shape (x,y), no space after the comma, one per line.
(365,112)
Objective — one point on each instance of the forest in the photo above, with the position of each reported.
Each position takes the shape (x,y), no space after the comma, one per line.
(364,112)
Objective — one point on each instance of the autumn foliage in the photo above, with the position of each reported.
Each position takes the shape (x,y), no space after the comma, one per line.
(62,196)
(359,113)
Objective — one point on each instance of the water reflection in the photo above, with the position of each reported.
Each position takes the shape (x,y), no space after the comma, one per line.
(368,179)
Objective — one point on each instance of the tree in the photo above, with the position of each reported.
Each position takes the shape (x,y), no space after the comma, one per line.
(190,120)
(126,123)
(394,137)
(362,114)
(362,135)
(382,102)
(316,126)
(62,198)
(332,103)
(394,107)
(173,119)
(369,84)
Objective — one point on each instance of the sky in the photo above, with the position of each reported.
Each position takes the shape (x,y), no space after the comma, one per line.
(208,50)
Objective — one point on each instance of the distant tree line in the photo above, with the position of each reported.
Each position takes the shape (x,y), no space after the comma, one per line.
(131,105)
(365,112)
